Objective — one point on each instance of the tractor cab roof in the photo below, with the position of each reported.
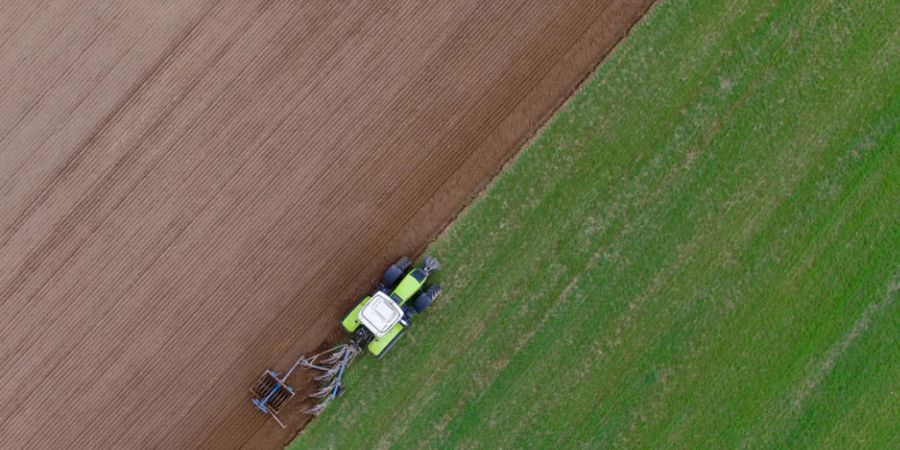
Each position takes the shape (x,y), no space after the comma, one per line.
(380,314)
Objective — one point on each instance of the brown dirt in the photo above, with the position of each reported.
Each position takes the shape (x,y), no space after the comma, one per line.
(191,192)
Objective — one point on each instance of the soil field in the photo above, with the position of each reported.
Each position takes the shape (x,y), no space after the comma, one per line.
(192,192)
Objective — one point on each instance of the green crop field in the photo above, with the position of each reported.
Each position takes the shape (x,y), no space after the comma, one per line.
(702,250)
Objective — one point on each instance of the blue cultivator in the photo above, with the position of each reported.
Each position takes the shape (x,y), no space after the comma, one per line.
(272,393)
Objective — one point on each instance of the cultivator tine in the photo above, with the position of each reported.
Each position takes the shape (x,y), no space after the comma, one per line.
(328,374)
(324,392)
(335,357)
(331,350)
(316,410)
(311,365)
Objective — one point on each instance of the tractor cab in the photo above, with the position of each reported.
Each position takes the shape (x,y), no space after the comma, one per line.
(380,314)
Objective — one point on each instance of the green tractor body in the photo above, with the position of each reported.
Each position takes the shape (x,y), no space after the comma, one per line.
(380,318)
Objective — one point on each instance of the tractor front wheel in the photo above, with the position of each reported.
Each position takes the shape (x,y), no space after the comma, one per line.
(394,273)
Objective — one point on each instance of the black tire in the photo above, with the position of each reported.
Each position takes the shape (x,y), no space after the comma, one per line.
(424,300)
(404,263)
(394,273)
(408,312)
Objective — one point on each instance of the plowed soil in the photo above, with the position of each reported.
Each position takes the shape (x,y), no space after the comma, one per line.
(192,192)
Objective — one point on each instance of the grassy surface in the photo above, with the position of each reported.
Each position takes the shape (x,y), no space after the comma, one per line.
(702,250)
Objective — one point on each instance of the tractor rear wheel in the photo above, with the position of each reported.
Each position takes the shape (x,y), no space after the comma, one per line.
(404,263)
(394,273)
(424,300)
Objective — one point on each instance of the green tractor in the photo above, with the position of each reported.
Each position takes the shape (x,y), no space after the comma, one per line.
(376,323)
(380,318)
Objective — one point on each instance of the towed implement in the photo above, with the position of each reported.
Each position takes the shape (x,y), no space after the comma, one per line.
(375,324)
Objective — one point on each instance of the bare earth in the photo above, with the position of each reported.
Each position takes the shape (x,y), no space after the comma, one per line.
(192,192)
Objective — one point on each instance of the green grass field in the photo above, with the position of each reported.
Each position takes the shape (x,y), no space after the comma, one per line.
(702,250)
